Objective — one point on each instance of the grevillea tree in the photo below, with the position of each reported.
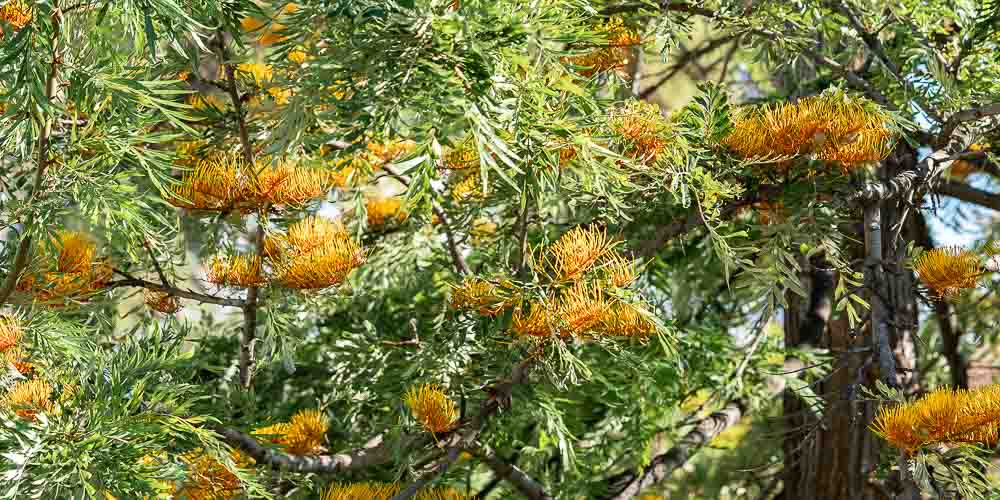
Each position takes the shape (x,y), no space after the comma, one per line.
(443,249)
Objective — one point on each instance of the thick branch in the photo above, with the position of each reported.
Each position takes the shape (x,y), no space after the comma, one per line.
(628,484)
(521,481)
(45,124)
(456,255)
(375,452)
(966,115)
(969,194)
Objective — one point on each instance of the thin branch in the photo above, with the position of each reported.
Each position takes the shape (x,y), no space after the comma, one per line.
(628,484)
(156,263)
(964,192)
(875,45)
(439,468)
(249,333)
(522,222)
(686,59)
(461,268)
(852,78)
(45,124)
(132,281)
(527,486)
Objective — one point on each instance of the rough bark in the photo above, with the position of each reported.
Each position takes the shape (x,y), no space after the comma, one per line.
(836,460)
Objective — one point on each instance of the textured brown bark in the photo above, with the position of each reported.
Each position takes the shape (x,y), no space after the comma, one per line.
(835,460)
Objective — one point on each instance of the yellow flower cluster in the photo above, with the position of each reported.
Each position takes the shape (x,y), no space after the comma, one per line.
(209,479)
(225,182)
(16,13)
(944,416)
(241,271)
(614,55)
(303,434)
(74,273)
(356,170)
(161,302)
(646,133)
(947,271)
(581,266)
(30,396)
(463,156)
(316,253)
(831,127)
(432,408)
(385,491)
(383,210)
(482,296)
(469,189)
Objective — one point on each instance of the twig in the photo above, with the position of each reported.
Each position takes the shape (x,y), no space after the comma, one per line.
(249,334)
(461,268)
(438,469)
(132,281)
(875,45)
(24,247)
(156,264)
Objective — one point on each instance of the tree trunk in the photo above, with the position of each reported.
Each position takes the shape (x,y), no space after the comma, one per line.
(835,459)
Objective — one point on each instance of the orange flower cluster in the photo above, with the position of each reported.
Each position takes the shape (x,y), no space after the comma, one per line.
(584,308)
(241,271)
(614,55)
(581,267)
(28,398)
(482,296)
(224,182)
(161,302)
(831,127)
(356,170)
(13,353)
(16,13)
(944,416)
(74,273)
(949,270)
(302,435)
(385,491)
(316,253)
(269,34)
(646,133)
(209,479)
(383,210)
(578,251)
(432,408)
